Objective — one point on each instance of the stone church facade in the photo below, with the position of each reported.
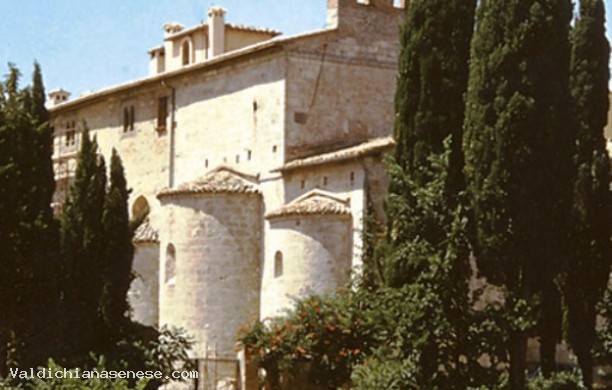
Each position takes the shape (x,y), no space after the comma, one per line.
(254,155)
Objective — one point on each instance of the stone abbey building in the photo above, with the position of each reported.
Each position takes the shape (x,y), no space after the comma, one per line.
(254,154)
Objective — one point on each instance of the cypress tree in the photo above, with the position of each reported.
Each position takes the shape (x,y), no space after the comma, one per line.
(429,106)
(432,80)
(46,229)
(587,274)
(9,217)
(424,253)
(518,147)
(27,229)
(82,249)
(119,250)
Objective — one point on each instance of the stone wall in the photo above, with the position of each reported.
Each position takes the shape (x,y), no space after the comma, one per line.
(215,283)
(144,290)
(315,251)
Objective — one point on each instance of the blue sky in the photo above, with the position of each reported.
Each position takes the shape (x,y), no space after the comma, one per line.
(85,45)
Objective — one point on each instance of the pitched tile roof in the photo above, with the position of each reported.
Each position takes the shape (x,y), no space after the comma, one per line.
(315,202)
(373,146)
(146,233)
(220,180)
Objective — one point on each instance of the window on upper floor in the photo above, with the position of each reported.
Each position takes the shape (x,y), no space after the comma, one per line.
(186,53)
(162,112)
(128,119)
(70,133)
(70,138)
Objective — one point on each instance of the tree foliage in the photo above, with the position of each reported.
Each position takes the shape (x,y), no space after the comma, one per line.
(586,278)
(116,267)
(83,250)
(518,147)
(28,232)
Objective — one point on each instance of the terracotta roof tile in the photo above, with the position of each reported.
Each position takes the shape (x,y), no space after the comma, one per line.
(367,148)
(220,180)
(146,233)
(315,202)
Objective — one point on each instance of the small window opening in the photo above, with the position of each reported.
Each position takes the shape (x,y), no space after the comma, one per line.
(278,264)
(170,263)
(303,184)
(364,2)
(70,138)
(352,177)
(300,117)
(132,119)
(254,105)
(206,163)
(399,4)
(126,119)
(324,180)
(274,149)
(249,155)
(186,53)
(237,159)
(162,112)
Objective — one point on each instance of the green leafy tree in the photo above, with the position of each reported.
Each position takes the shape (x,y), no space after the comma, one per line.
(119,250)
(431,84)
(424,253)
(518,148)
(423,323)
(82,246)
(28,232)
(587,274)
(10,120)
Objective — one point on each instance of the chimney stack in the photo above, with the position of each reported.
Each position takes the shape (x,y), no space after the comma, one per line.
(58,96)
(216,31)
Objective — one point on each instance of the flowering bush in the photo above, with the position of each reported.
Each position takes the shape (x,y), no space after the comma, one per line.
(322,338)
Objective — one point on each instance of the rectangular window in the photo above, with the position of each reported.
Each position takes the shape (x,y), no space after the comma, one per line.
(70,138)
(128,119)
(162,112)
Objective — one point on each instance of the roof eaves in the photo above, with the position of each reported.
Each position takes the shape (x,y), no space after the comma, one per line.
(216,61)
(367,148)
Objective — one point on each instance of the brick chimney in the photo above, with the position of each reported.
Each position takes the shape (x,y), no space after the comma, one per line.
(216,31)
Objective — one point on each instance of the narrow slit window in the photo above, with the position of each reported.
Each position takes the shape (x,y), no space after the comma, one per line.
(170,263)
(278,264)
(126,119)
(162,112)
(132,119)
(186,53)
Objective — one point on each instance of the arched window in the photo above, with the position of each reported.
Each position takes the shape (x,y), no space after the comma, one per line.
(170,263)
(186,53)
(278,264)
(140,208)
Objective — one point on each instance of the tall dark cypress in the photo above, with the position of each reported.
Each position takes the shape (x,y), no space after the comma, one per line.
(9,213)
(432,80)
(429,106)
(27,228)
(425,249)
(119,250)
(82,249)
(587,274)
(518,148)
